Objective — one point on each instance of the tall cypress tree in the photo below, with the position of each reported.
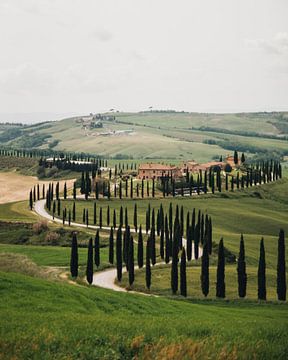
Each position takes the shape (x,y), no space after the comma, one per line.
(196,241)
(162,243)
(135,217)
(262,273)
(31,200)
(74,257)
(100,218)
(131,260)
(281,268)
(153,246)
(189,243)
(74,190)
(89,268)
(205,270)
(65,191)
(114,219)
(94,213)
(241,270)
(167,241)
(119,254)
(183,281)
(140,248)
(111,247)
(148,266)
(97,249)
(220,284)
(175,249)
(87,218)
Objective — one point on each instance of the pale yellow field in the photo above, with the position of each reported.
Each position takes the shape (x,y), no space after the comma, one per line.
(16,187)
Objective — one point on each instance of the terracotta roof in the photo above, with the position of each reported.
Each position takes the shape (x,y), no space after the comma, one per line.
(160,167)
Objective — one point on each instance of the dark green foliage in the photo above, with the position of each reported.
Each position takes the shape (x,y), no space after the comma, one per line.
(162,243)
(31,200)
(281,268)
(148,266)
(74,190)
(131,260)
(119,254)
(175,249)
(262,273)
(89,268)
(74,256)
(140,248)
(97,249)
(108,215)
(220,284)
(189,243)
(65,191)
(241,270)
(100,218)
(205,271)
(87,218)
(153,246)
(74,212)
(111,247)
(135,217)
(235,157)
(183,280)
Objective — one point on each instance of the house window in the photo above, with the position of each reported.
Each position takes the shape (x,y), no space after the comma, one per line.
(143,171)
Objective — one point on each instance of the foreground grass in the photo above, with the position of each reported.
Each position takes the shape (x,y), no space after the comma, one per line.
(42,319)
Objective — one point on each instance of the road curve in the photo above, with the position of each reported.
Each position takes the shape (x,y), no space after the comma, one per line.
(105,278)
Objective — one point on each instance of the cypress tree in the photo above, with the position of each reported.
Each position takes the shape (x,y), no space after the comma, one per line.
(135,217)
(100,218)
(183,281)
(140,249)
(131,188)
(220,284)
(153,245)
(31,200)
(89,268)
(131,260)
(94,213)
(209,236)
(43,191)
(148,266)
(235,157)
(142,189)
(153,188)
(126,217)
(162,243)
(111,247)
(84,216)
(58,207)
(167,241)
(38,192)
(119,254)
(175,249)
(205,270)
(262,273)
(74,190)
(34,194)
(241,270)
(281,268)
(121,217)
(65,191)
(74,211)
(114,219)
(54,209)
(74,257)
(189,243)
(63,217)
(97,249)
(69,215)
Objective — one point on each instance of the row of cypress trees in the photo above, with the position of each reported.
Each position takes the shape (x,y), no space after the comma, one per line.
(125,254)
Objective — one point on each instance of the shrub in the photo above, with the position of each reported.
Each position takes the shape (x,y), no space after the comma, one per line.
(40,226)
(52,238)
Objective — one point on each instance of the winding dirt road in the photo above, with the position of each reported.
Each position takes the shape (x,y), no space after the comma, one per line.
(105,278)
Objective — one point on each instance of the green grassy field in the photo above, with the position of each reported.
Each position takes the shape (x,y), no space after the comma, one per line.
(48,320)
(165,135)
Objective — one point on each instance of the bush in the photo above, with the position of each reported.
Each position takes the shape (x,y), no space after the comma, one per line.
(40,226)
(52,238)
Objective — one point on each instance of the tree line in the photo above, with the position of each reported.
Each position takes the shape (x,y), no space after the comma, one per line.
(125,257)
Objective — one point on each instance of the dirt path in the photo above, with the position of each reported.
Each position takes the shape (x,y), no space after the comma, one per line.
(16,187)
(105,278)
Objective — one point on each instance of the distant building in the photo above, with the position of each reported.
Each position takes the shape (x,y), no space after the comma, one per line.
(156,171)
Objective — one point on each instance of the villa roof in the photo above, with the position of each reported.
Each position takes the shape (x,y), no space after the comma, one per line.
(160,167)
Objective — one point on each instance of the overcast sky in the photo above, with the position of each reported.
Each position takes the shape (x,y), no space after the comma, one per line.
(79,56)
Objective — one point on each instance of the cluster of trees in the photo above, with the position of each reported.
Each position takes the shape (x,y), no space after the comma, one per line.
(125,256)
(74,165)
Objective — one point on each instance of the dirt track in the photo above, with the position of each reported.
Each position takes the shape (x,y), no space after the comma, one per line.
(16,187)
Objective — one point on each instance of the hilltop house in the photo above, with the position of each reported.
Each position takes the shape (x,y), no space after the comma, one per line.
(156,171)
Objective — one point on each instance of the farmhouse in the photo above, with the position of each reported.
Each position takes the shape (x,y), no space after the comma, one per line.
(156,171)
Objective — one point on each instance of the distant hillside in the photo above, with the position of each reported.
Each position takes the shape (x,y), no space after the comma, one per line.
(156,134)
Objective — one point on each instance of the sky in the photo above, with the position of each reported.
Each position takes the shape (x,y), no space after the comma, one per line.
(75,57)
